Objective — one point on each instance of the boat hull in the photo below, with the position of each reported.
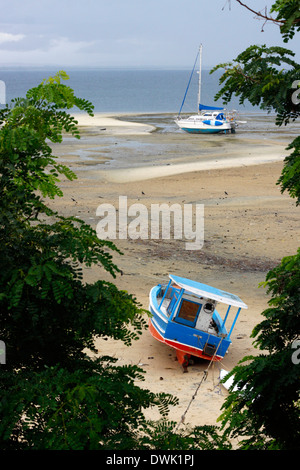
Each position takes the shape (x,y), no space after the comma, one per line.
(205,131)
(204,128)
(183,351)
(185,340)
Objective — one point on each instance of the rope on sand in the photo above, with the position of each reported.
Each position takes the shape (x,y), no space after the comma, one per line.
(205,373)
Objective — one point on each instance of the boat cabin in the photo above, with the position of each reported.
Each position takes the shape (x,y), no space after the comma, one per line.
(191,310)
(185,316)
(214,115)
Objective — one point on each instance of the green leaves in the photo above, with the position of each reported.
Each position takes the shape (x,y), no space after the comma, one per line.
(49,317)
(282,324)
(257,76)
(83,406)
(290,175)
(263,409)
(98,407)
(288,13)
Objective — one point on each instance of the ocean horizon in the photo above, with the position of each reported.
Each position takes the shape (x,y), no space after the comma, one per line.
(126,90)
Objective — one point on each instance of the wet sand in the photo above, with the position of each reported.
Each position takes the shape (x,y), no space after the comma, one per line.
(248,225)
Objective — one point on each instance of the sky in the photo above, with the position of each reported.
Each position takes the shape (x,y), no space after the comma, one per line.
(131,33)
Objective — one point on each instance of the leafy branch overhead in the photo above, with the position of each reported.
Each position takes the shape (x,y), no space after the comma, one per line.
(288,16)
(257,75)
(262,410)
(266,77)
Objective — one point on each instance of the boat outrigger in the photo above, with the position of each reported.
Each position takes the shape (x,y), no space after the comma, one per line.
(184,316)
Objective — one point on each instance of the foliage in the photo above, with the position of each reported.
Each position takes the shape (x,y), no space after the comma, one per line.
(93,407)
(96,407)
(256,75)
(41,275)
(161,435)
(290,175)
(288,14)
(53,393)
(283,316)
(263,406)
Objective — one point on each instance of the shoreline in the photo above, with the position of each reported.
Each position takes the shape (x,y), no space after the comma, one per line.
(142,152)
(176,154)
(249,227)
(145,173)
(113,123)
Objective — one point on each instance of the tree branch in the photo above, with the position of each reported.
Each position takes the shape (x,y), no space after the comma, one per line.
(259,14)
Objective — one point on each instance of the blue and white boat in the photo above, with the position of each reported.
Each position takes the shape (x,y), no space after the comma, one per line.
(185,317)
(208,122)
(210,119)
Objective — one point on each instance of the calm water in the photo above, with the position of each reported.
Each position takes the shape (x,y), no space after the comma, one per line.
(160,91)
(156,95)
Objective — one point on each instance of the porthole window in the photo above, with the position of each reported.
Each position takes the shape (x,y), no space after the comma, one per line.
(208,307)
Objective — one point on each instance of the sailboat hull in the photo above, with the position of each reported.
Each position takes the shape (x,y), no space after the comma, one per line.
(204,127)
(204,131)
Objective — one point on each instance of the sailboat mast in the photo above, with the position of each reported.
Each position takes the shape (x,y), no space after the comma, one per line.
(199,82)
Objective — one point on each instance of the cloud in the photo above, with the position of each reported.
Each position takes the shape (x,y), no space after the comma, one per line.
(132,33)
(43,50)
(8,37)
(65,45)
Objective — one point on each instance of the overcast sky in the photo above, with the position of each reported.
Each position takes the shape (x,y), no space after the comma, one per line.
(133,33)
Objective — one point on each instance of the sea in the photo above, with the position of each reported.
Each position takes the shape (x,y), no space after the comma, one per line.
(125,90)
(156,95)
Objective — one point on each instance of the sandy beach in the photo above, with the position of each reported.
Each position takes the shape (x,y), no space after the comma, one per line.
(248,227)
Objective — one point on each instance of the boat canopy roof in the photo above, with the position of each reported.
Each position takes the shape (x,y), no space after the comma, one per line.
(208,291)
(203,107)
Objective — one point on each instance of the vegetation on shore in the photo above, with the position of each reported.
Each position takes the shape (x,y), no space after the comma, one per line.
(54,395)
(264,409)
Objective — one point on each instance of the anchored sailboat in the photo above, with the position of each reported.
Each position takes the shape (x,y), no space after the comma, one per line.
(210,119)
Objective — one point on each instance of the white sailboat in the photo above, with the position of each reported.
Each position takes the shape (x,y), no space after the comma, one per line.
(210,119)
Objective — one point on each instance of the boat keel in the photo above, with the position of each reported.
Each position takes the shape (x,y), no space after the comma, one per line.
(183,359)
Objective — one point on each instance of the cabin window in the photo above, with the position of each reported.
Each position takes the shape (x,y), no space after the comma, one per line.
(188,312)
(208,307)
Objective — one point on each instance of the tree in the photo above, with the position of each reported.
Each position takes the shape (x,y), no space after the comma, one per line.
(287,16)
(263,406)
(53,394)
(256,75)
(42,253)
